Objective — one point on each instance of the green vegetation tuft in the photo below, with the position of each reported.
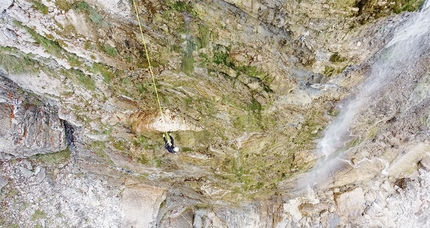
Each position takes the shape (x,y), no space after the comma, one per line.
(120,145)
(79,76)
(81,7)
(54,158)
(255,106)
(91,13)
(64,5)
(74,60)
(50,46)
(105,71)
(141,141)
(335,58)
(221,55)
(372,132)
(38,214)
(181,6)
(329,71)
(369,10)
(204,36)
(251,71)
(352,143)
(41,7)
(143,159)
(187,63)
(15,62)
(158,162)
(98,148)
(106,48)
(142,88)
(85,79)
(407,5)
(309,130)
(186,149)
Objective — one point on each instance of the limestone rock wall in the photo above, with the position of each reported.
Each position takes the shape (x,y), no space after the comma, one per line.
(248,88)
(28,125)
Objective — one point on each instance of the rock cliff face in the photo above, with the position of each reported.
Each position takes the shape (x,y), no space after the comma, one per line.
(288,113)
(28,127)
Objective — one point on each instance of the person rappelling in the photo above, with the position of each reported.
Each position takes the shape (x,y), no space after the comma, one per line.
(169,144)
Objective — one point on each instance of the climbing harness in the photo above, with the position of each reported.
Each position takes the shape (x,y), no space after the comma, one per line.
(149,65)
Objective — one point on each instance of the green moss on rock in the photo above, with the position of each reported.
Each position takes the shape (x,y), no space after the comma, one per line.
(373,9)
(91,14)
(106,48)
(337,58)
(40,7)
(50,46)
(38,214)
(64,4)
(53,158)
(15,62)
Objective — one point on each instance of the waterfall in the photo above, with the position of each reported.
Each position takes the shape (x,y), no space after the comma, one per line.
(409,43)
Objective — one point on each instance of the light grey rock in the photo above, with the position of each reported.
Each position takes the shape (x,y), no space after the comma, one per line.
(350,203)
(333,221)
(184,220)
(370,196)
(425,163)
(140,205)
(27,164)
(4,4)
(40,174)
(25,172)
(3,182)
(27,126)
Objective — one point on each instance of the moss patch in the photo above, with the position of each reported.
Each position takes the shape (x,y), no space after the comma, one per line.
(407,5)
(181,6)
(74,60)
(204,36)
(64,5)
(50,46)
(53,158)
(337,58)
(120,145)
(333,70)
(98,148)
(369,10)
(77,75)
(40,7)
(187,62)
(85,79)
(108,73)
(38,214)
(106,48)
(14,61)
(221,55)
(91,14)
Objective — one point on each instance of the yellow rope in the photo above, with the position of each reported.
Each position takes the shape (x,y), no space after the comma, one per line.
(149,65)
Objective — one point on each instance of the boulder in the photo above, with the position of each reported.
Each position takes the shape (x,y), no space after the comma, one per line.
(140,205)
(350,204)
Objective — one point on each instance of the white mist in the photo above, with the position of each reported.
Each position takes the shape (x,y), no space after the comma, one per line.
(410,40)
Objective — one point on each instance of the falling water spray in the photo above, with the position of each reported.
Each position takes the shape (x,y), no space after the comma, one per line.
(409,43)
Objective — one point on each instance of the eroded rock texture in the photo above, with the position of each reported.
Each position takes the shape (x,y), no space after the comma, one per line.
(248,89)
(28,126)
